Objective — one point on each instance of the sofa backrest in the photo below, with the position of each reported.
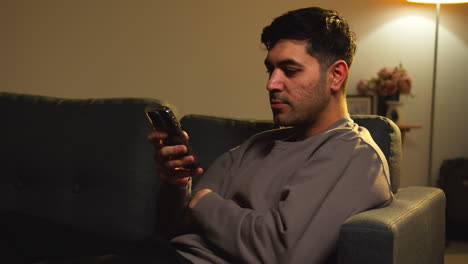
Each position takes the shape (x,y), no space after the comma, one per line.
(211,136)
(78,162)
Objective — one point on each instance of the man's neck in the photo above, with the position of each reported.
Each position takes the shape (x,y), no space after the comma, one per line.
(328,118)
(303,132)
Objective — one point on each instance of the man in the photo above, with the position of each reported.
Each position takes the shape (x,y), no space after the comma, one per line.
(282,195)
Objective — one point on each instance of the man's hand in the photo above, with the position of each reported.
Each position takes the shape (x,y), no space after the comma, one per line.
(197,196)
(169,160)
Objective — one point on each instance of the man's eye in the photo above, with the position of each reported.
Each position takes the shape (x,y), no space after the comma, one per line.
(290,72)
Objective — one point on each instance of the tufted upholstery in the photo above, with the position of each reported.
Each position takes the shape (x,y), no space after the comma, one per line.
(75,168)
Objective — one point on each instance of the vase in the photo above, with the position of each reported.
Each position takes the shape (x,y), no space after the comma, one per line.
(394,111)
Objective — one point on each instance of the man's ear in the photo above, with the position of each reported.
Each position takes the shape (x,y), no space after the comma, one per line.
(337,73)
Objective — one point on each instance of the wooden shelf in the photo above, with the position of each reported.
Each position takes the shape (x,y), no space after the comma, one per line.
(406,128)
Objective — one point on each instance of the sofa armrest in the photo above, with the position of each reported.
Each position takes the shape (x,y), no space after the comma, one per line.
(410,230)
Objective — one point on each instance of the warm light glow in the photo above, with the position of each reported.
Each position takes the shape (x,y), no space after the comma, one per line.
(438,1)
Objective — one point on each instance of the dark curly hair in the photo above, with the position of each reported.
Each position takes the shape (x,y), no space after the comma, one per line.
(326,33)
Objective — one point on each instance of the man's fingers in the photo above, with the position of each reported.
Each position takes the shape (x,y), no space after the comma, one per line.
(157,136)
(178,163)
(186,135)
(178,176)
(171,152)
(197,172)
(171,160)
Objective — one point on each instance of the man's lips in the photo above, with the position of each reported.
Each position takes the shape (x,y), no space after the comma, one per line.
(277,104)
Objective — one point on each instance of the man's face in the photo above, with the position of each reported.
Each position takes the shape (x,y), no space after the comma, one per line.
(297,88)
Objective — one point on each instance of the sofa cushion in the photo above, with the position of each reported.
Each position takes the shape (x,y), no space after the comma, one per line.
(82,163)
(212,136)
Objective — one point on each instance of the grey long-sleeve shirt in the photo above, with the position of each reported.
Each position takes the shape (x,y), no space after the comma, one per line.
(276,201)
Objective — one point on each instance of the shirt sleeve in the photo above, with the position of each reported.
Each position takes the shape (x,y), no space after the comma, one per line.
(339,181)
(172,200)
(220,170)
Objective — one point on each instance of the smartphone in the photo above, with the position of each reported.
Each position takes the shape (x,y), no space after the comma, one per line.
(163,119)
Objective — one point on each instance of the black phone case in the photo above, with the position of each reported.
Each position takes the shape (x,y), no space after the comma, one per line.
(163,118)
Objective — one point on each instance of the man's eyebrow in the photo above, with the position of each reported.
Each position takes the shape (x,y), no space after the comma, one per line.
(284,62)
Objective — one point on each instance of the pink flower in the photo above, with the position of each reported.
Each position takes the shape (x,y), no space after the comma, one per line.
(404,84)
(387,87)
(388,82)
(362,86)
(385,73)
(397,74)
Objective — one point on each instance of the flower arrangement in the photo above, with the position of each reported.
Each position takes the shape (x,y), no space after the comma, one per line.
(389,81)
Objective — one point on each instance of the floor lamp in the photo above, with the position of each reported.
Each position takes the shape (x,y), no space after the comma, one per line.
(434,73)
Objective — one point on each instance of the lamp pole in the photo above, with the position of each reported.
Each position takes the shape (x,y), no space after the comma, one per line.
(433,96)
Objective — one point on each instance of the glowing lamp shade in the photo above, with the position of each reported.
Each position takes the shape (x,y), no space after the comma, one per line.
(438,1)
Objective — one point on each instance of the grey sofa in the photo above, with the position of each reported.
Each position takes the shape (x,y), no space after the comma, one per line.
(77,179)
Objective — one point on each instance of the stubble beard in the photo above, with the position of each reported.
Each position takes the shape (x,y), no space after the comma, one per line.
(305,112)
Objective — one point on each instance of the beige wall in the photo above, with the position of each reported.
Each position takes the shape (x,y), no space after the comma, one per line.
(205,57)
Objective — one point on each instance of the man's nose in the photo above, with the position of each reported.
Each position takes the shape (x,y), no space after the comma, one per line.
(275,82)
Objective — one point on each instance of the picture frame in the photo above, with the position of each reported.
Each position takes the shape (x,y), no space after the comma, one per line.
(361,104)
